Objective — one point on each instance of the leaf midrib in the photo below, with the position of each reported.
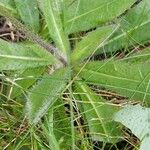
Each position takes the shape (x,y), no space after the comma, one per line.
(56,27)
(23,58)
(108,75)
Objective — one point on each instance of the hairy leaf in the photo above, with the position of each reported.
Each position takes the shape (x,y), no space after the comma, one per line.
(45,93)
(90,43)
(98,114)
(81,15)
(134,29)
(25,79)
(18,56)
(29,13)
(137,119)
(7,4)
(140,56)
(52,13)
(130,80)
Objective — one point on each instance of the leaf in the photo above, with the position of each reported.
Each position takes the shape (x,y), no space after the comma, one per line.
(8,5)
(134,29)
(52,13)
(57,126)
(90,43)
(29,13)
(81,15)
(137,119)
(48,129)
(129,80)
(139,57)
(26,79)
(98,114)
(18,56)
(62,126)
(45,93)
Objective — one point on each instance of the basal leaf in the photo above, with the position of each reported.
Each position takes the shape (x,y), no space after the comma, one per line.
(29,13)
(128,79)
(81,15)
(140,56)
(98,114)
(45,93)
(90,43)
(134,29)
(52,13)
(19,56)
(26,79)
(137,119)
(8,5)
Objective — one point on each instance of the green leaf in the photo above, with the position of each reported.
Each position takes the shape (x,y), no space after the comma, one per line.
(45,93)
(57,126)
(134,29)
(140,56)
(90,43)
(48,128)
(29,13)
(98,114)
(137,119)
(52,13)
(81,15)
(7,5)
(129,80)
(18,56)
(62,126)
(26,79)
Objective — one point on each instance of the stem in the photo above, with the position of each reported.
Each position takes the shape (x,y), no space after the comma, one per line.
(32,36)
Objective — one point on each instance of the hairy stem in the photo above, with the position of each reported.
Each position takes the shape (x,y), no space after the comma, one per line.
(32,36)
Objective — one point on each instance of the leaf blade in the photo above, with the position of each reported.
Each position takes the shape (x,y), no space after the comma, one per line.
(18,56)
(52,13)
(90,43)
(25,79)
(136,118)
(29,13)
(92,12)
(46,92)
(98,114)
(133,29)
(120,77)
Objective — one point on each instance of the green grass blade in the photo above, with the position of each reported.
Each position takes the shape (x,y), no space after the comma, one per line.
(57,126)
(142,56)
(98,114)
(48,129)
